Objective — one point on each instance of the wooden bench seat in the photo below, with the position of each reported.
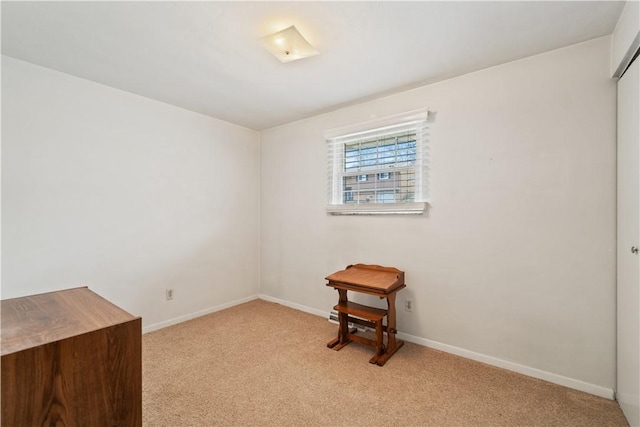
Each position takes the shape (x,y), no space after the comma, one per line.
(359,310)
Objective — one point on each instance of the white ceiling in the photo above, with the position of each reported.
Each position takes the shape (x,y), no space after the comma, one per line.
(207,56)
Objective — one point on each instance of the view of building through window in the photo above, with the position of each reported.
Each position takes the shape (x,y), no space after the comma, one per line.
(380,170)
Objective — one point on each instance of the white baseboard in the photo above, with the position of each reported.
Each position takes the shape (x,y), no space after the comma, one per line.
(184,318)
(294,305)
(512,366)
(468,354)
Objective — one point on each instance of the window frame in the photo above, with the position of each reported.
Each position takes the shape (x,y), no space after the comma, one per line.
(338,139)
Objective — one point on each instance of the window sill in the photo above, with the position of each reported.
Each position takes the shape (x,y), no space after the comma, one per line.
(379,209)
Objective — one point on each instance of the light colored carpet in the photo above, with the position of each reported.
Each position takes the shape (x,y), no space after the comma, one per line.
(260,363)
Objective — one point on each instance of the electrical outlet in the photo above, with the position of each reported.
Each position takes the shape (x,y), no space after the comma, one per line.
(169,294)
(408,304)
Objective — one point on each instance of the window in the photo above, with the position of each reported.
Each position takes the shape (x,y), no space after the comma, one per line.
(379,170)
(348,195)
(385,196)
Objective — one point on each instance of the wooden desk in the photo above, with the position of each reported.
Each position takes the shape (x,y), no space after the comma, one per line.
(70,358)
(383,282)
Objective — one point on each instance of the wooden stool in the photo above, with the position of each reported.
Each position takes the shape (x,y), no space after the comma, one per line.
(373,318)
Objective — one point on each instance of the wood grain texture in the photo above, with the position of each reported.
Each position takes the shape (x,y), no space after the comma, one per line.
(384,282)
(93,378)
(360,310)
(39,319)
(374,278)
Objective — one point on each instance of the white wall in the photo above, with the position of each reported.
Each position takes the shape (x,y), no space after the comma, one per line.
(126,195)
(516,258)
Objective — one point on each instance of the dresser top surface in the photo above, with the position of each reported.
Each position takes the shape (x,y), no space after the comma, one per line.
(44,318)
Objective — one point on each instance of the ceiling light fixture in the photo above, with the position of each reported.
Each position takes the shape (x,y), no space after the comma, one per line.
(288,45)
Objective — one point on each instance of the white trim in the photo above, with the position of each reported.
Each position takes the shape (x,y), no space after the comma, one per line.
(294,305)
(572,383)
(625,39)
(184,318)
(417,208)
(337,157)
(579,385)
(625,63)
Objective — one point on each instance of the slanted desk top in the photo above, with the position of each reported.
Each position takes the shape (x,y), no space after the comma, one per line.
(372,279)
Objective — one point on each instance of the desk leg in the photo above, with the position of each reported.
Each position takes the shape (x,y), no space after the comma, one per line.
(343,332)
(343,328)
(379,343)
(393,345)
(391,320)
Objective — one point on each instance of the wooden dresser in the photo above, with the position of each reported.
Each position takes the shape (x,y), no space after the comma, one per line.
(70,358)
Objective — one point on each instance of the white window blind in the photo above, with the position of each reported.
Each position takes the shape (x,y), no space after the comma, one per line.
(379,171)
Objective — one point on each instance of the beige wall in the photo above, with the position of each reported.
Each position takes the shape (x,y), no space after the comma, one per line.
(514,263)
(124,194)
